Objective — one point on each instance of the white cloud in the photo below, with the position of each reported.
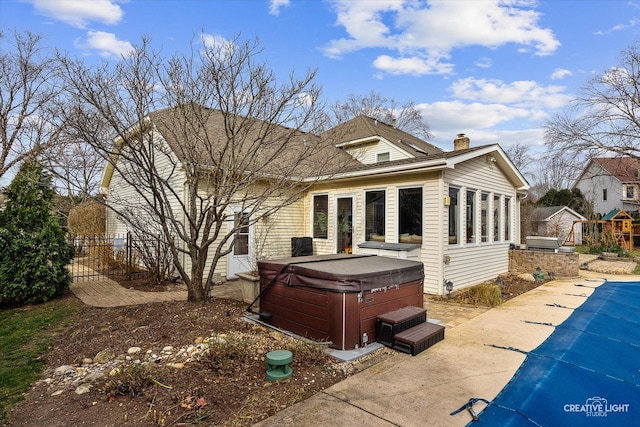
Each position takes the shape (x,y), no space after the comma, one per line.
(79,13)
(276,5)
(416,65)
(459,117)
(619,27)
(532,138)
(560,73)
(521,93)
(428,31)
(484,62)
(106,44)
(220,46)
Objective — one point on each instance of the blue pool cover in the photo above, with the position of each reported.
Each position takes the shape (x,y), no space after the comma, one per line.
(587,372)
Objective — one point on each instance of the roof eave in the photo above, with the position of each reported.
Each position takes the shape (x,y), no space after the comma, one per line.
(430,165)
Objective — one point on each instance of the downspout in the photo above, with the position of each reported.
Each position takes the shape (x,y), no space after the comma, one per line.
(441,213)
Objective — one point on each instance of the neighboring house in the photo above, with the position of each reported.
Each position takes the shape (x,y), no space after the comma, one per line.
(458,212)
(558,221)
(611,183)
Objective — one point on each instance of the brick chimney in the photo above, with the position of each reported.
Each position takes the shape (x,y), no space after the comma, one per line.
(461,142)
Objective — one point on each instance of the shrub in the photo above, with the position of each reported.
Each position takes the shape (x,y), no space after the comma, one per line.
(485,294)
(309,352)
(87,219)
(34,253)
(130,379)
(226,349)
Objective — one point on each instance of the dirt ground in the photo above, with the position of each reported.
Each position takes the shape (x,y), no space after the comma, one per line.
(215,387)
(178,363)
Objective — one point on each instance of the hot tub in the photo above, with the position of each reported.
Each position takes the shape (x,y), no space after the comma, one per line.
(337,298)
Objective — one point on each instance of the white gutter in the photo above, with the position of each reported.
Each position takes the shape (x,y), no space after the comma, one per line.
(437,164)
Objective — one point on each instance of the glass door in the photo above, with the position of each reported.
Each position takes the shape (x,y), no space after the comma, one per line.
(344,225)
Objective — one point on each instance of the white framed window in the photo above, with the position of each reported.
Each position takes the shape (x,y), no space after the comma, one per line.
(507,219)
(471,213)
(410,215)
(375,215)
(454,215)
(496,218)
(630,192)
(320,216)
(383,157)
(484,217)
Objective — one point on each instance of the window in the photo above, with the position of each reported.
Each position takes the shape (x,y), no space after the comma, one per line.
(241,239)
(630,192)
(471,216)
(507,218)
(382,157)
(410,215)
(320,218)
(374,222)
(484,214)
(496,218)
(454,215)
(604,194)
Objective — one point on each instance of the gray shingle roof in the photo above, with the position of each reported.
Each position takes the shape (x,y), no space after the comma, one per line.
(207,137)
(362,127)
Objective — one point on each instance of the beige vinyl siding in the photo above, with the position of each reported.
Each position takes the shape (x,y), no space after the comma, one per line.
(271,236)
(434,237)
(368,153)
(472,263)
(123,196)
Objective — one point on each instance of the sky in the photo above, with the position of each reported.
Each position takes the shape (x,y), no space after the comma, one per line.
(493,70)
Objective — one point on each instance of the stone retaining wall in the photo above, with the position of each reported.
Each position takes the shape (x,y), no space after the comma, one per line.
(559,264)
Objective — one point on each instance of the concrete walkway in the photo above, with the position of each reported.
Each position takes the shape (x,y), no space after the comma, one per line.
(423,390)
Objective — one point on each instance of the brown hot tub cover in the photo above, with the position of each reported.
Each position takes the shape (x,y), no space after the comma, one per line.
(342,272)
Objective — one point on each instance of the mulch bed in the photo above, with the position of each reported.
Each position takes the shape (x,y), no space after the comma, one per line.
(226,390)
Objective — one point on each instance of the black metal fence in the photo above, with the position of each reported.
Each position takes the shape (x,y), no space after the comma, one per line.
(99,256)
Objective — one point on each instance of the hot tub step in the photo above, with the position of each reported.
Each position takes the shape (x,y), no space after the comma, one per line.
(389,324)
(419,338)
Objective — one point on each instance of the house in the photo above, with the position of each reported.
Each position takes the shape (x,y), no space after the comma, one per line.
(611,183)
(458,211)
(558,221)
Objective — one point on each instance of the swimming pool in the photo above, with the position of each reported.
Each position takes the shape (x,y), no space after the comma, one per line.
(587,372)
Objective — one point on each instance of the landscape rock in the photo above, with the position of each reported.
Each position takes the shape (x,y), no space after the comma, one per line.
(65,371)
(83,388)
(93,376)
(104,356)
(134,350)
(527,276)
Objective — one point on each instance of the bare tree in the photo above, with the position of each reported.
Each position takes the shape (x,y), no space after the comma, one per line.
(557,170)
(603,118)
(405,116)
(520,156)
(207,144)
(76,168)
(29,93)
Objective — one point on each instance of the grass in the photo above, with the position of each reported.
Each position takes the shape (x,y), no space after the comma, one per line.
(25,335)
